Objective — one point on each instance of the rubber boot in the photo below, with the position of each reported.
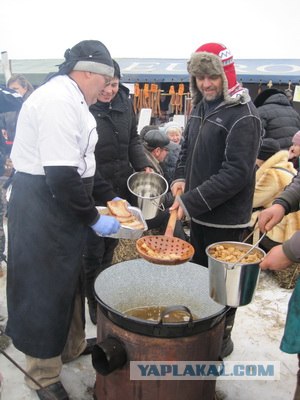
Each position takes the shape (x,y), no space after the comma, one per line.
(227,345)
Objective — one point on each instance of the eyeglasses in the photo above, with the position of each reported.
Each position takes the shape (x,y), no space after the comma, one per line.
(107,79)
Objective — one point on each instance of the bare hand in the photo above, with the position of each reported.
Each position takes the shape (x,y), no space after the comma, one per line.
(177,186)
(180,213)
(275,259)
(176,206)
(269,217)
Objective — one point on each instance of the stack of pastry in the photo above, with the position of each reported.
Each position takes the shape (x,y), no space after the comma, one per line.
(119,209)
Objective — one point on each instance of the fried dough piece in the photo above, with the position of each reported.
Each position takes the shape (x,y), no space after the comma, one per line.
(158,255)
(119,208)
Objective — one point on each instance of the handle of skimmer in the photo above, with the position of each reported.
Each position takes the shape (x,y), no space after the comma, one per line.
(172,219)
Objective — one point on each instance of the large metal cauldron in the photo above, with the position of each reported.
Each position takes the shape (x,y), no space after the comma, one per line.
(122,339)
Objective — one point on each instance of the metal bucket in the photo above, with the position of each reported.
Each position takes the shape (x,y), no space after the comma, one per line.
(229,284)
(149,189)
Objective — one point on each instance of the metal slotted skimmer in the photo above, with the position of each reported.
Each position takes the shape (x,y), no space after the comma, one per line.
(165,249)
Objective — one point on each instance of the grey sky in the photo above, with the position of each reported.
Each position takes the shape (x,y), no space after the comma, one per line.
(158,28)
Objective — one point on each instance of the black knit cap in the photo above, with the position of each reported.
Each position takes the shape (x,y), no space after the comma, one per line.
(89,50)
(88,55)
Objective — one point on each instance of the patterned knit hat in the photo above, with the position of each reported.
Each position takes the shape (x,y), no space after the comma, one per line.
(214,59)
(226,57)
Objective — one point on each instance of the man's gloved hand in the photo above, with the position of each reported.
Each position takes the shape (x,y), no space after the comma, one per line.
(106,225)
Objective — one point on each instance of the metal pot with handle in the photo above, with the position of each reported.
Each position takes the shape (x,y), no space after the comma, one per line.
(233,283)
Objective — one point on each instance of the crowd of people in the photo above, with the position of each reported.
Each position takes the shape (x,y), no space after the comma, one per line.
(235,164)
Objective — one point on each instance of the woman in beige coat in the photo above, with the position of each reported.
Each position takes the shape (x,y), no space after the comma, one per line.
(274,173)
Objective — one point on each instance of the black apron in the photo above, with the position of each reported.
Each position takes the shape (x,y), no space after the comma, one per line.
(45,245)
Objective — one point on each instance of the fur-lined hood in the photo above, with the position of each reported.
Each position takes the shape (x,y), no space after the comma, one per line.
(210,64)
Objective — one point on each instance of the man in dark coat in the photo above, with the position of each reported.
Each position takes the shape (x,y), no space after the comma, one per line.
(280,120)
(216,165)
(118,153)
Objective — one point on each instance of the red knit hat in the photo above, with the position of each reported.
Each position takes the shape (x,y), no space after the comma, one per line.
(227,60)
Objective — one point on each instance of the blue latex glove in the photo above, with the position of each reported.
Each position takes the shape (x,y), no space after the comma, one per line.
(106,225)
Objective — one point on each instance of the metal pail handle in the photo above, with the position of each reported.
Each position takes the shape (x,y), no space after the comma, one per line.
(170,309)
(161,207)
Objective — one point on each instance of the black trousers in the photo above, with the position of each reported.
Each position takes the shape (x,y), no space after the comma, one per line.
(97,256)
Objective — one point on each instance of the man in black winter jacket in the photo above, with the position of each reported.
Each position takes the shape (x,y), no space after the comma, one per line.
(118,154)
(279,119)
(216,165)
